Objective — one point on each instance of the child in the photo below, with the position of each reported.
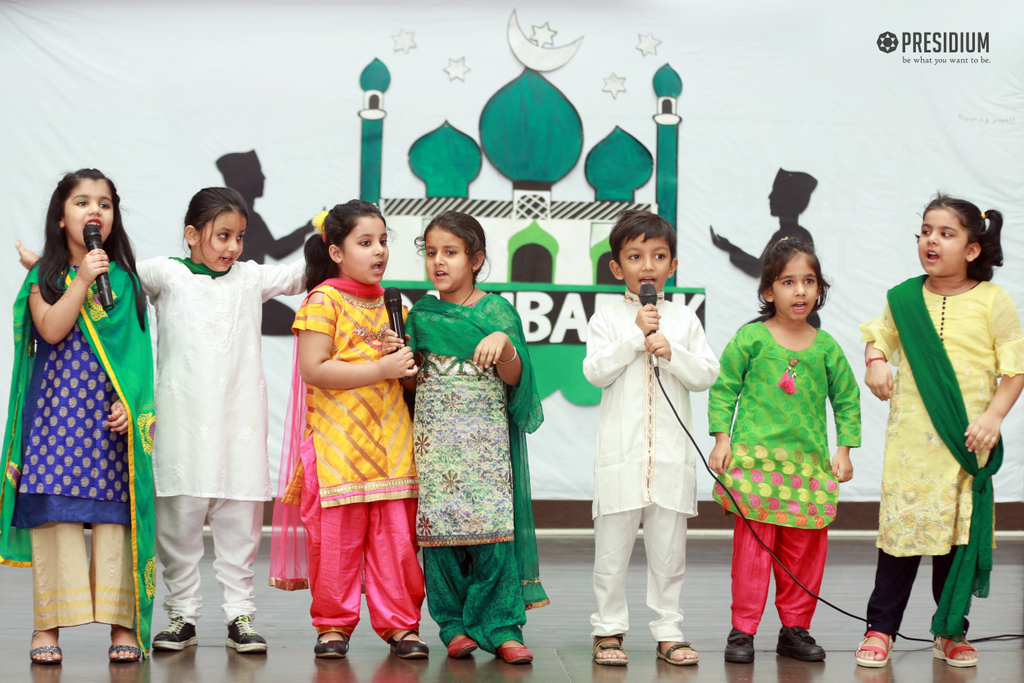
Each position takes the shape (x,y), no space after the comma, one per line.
(356,480)
(476,398)
(210,462)
(955,333)
(781,372)
(645,466)
(79,430)
(211,458)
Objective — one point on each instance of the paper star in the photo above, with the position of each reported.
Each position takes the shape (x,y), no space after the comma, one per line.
(614,85)
(457,69)
(403,41)
(543,35)
(648,44)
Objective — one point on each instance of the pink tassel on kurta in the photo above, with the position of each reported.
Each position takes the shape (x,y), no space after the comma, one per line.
(788,380)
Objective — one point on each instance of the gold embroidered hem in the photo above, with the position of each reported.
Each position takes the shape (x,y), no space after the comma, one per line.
(392,489)
(452,541)
(289,585)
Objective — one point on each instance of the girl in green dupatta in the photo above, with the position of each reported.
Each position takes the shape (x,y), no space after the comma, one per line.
(476,399)
(80,431)
(957,341)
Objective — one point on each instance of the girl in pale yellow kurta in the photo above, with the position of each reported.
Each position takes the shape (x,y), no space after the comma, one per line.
(926,495)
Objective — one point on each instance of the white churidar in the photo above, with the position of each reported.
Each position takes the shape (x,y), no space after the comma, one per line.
(236,527)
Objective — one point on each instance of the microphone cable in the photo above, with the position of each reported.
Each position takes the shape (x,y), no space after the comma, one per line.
(657,374)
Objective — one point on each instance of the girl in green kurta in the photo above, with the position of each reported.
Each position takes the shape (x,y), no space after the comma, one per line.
(80,430)
(956,341)
(476,399)
(776,463)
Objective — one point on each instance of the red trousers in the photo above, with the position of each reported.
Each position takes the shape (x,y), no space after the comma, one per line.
(377,538)
(802,550)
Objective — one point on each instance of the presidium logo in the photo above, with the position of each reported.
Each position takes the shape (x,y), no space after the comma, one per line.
(954,45)
(887,42)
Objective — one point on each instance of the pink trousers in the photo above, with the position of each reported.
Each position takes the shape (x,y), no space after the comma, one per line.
(377,538)
(802,550)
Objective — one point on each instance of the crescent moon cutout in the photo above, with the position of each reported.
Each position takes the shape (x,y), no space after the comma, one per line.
(534,56)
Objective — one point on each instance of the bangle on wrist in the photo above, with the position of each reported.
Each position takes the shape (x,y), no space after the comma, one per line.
(869,361)
(515,354)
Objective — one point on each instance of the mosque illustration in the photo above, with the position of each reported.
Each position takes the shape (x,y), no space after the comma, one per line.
(548,256)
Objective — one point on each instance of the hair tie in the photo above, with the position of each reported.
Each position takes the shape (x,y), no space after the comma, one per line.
(318,224)
(982,215)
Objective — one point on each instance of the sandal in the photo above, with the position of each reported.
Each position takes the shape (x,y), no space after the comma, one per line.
(886,652)
(331,649)
(667,656)
(601,644)
(45,649)
(461,646)
(133,653)
(959,644)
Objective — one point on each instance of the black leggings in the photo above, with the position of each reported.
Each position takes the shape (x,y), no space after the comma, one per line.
(894,579)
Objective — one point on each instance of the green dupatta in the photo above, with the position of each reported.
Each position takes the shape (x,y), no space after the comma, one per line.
(944,401)
(452,330)
(126,354)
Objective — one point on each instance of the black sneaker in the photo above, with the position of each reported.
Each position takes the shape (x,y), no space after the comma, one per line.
(177,636)
(739,648)
(797,643)
(243,637)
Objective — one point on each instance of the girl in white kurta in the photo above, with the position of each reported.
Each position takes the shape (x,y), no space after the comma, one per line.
(645,467)
(210,459)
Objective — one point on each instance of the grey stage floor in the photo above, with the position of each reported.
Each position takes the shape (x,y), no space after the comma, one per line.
(558,634)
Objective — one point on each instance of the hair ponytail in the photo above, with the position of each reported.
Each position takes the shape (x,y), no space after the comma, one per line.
(336,226)
(987,236)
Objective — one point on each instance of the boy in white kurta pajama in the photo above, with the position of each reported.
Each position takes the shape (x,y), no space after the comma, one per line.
(210,455)
(645,464)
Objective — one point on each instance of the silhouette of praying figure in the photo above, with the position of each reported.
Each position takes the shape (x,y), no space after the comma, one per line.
(791,193)
(242,172)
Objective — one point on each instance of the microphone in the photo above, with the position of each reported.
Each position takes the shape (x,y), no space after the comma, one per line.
(648,295)
(393,302)
(94,240)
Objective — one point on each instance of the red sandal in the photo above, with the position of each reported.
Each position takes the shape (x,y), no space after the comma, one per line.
(515,655)
(886,652)
(951,648)
(461,646)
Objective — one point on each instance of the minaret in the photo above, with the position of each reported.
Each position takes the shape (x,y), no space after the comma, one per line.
(374,80)
(668,87)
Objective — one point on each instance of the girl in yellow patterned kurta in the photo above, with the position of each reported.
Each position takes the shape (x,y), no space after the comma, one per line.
(357,477)
(926,501)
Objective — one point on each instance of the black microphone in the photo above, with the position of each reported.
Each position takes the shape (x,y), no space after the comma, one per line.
(648,295)
(393,302)
(94,240)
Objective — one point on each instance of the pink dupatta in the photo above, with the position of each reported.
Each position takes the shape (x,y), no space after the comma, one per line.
(289,559)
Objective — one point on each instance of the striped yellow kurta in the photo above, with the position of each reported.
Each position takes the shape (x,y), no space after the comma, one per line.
(362,436)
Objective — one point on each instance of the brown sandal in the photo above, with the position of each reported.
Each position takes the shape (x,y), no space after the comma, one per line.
(601,644)
(667,656)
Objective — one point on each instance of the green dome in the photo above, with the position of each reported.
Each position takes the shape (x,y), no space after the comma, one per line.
(447,160)
(618,165)
(667,82)
(530,131)
(375,76)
